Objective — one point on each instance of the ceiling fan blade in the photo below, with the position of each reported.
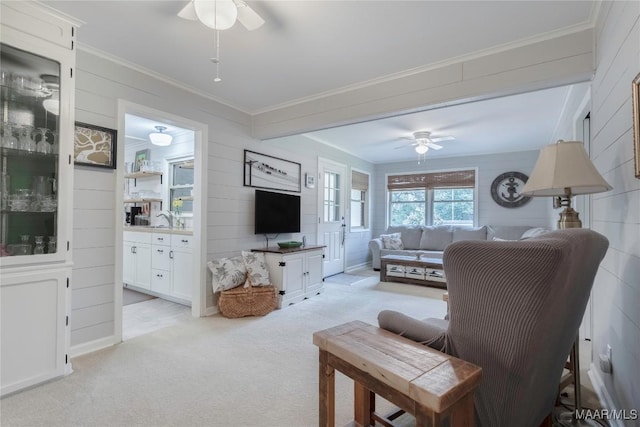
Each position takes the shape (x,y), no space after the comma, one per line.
(188,12)
(442,138)
(433,146)
(248,17)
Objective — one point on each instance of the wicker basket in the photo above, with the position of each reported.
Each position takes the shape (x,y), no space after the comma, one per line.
(251,301)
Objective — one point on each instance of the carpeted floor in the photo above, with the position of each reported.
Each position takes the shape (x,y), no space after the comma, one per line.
(349,279)
(253,371)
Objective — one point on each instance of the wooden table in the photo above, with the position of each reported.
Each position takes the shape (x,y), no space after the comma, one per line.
(411,261)
(424,382)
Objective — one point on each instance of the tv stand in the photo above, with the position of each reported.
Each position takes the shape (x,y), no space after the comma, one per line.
(297,273)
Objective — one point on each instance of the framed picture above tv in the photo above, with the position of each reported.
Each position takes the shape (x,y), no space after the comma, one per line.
(273,173)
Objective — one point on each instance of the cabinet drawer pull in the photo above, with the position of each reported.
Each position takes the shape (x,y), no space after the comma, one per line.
(185,241)
(160,251)
(159,275)
(171,254)
(160,238)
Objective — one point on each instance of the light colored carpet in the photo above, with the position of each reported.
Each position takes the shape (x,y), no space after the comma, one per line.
(254,371)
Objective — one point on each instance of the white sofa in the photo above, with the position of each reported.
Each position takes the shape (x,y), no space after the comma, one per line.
(431,241)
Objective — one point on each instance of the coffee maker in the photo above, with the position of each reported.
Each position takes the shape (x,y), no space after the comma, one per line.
(135,211)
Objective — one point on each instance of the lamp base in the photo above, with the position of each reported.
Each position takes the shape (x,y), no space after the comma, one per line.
(569,218)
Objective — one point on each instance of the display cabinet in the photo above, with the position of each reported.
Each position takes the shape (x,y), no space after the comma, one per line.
(37,60)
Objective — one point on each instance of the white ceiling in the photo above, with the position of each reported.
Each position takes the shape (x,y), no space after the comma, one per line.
(308,49)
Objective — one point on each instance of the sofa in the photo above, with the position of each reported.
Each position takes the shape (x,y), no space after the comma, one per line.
(430,241)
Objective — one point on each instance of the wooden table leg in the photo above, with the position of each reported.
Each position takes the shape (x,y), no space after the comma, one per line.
(364,404)
(327,388)
(462,412)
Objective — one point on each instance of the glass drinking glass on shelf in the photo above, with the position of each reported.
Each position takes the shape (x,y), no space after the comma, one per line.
(8,140)
(39,247)
(42,146)
(26,141)
(24,239)
(51,245)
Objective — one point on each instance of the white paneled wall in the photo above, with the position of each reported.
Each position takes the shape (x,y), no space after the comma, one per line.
(616,214)
(534,213)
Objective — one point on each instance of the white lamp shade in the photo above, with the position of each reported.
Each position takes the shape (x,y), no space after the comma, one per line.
(216,14)
(563,165)
(160,138)
(421,148)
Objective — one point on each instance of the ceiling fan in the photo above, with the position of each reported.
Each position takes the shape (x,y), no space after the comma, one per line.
(222,14)
(423,141)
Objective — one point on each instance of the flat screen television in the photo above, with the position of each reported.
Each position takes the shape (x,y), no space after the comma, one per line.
(276,213)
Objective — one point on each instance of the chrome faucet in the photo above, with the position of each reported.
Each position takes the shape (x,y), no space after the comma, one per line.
(168,216)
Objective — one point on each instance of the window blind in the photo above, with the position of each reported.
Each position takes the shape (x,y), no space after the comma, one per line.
(458,179)
(359,181)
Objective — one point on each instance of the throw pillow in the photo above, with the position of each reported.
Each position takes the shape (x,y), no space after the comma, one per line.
(533,232)
(257,272)
(392,241)
(228,273)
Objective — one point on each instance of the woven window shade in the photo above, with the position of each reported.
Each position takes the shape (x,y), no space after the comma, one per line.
(359,181)
(458,179)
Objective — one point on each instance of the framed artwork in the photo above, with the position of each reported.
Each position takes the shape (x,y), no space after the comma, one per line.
(309,180)
(94,146)
(273,173)
(140,157)
(635,95)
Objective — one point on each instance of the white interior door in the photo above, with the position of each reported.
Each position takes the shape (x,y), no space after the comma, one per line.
(331,214)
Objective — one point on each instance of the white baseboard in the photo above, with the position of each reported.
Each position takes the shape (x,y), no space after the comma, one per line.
(357,267)
(91,346)
(210,311)
(603,394)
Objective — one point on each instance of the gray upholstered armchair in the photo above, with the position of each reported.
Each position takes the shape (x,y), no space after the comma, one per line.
(514,310)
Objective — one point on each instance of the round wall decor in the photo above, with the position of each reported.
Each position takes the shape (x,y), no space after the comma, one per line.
(506,189)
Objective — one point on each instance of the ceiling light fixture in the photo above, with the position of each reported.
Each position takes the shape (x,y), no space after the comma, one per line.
(160,138)
(421,148)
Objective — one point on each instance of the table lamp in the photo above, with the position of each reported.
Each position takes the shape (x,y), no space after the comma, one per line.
(564,170)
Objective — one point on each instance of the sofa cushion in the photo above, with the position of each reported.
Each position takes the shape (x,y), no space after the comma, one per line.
(436,238)
(506,232)
(410,235)
(392,241)
(469,233)
(413,253)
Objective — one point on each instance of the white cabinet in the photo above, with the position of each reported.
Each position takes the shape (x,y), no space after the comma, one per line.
(160,264)
(136,260)
(182,266)
(37,61)
(297,273)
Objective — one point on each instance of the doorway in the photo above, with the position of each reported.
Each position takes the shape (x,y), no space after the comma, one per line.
(159,249)
(331,215)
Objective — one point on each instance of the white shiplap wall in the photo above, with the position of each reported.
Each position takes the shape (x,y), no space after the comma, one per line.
(100,83)
(616,214)
(356,243)
(534,213)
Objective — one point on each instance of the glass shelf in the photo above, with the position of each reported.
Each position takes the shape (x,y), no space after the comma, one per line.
(29,160)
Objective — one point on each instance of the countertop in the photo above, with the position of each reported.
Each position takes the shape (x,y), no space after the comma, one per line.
(161,230)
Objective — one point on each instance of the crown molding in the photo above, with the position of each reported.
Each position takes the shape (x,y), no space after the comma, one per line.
(587,25)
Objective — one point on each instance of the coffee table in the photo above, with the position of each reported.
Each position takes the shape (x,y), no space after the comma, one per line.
(413,270)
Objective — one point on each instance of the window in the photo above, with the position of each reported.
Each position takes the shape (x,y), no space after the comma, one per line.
(452,206)
(439,198)
(181,185)
(359,199)
(331,197)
